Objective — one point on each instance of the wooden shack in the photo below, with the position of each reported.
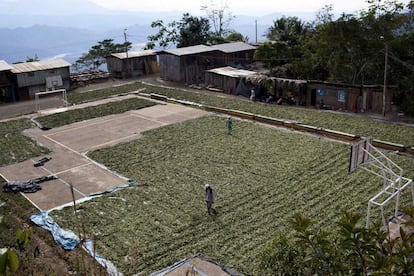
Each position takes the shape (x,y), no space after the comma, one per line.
(335,96)
(187,64)
(372,98)
(226,78)
(42,75)
(235,53)
(132,64)
(6,85)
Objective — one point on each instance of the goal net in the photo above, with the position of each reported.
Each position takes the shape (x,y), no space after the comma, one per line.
(48,99)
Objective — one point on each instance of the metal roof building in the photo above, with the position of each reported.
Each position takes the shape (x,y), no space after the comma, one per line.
(4,66)
(132,64)
(234,47)
(232,72)
(40,65)
(191,50)
(227,79)
(134,54)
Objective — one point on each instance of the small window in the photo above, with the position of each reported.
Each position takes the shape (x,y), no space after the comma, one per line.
(52,71)
(30,74)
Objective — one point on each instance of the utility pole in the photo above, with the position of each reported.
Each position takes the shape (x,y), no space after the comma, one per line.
(126,46)
(256,30)
(384,91)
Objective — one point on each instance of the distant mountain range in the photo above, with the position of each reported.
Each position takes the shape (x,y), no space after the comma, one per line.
(71,27)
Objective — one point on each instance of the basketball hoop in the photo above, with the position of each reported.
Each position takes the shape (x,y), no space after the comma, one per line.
(364,155)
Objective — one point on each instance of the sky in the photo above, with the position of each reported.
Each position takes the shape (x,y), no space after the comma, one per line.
(245,7)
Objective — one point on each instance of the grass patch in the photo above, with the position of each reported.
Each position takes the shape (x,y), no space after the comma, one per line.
(77,98)
(90,112)
(14,146)
(386,131)
(261,176)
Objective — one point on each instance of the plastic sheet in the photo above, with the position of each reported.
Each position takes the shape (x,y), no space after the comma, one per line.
(65,238)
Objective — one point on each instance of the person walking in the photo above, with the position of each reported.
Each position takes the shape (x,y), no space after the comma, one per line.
(209,198)
(229,125)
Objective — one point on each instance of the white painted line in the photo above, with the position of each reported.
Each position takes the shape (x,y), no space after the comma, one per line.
(77,167)
(60,179)
(149,119)
(114,141)
(63,181)
(91,122)
(60,144)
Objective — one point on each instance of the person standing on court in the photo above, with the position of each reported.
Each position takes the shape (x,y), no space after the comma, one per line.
(229,125)
(209,198)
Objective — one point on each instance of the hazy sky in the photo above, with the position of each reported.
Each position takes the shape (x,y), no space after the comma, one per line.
(246,7)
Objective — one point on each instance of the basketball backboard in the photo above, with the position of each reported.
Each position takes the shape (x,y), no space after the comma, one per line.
(359,153)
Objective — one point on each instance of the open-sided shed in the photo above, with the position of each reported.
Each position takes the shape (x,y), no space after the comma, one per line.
(132,64)
(226,78)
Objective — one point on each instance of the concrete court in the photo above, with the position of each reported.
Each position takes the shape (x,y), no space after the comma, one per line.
(70,143)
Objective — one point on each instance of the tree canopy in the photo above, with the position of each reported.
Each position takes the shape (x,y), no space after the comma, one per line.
(193,30)
(350,49)
(97,54)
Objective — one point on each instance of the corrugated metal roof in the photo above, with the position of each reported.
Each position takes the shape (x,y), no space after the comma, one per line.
(232,72)
(133,54)
(191,50)
(40,65)
(4,66)
(234,47)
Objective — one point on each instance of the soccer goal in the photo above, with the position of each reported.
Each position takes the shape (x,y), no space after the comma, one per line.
(364,155)
(60,92)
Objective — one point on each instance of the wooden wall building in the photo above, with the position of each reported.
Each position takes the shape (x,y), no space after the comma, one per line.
(187,64)
(37,76)
(132,64)
(235,53)
(6,85)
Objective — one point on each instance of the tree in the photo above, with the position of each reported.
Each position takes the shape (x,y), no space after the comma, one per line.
(189,31)
(284,47)
(97,54)
(350,249)
(166,35)
(220,18)
(193,31)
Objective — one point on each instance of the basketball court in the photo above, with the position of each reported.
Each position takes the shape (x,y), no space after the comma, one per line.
(69,145)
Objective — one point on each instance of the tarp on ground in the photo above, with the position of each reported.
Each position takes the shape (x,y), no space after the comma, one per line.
(65,238)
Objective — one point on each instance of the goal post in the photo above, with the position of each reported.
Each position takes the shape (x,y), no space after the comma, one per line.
(364,155)
(57,91)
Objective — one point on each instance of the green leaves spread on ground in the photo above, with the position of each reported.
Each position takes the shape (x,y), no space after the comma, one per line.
(261,177)
(350,123)
(77,115)
(14,146)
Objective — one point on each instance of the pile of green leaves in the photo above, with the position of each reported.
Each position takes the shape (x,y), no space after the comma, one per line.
(14,146)
(261,176)
(90,112)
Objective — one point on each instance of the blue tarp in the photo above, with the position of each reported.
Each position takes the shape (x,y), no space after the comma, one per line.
(65,238)
(110,267)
